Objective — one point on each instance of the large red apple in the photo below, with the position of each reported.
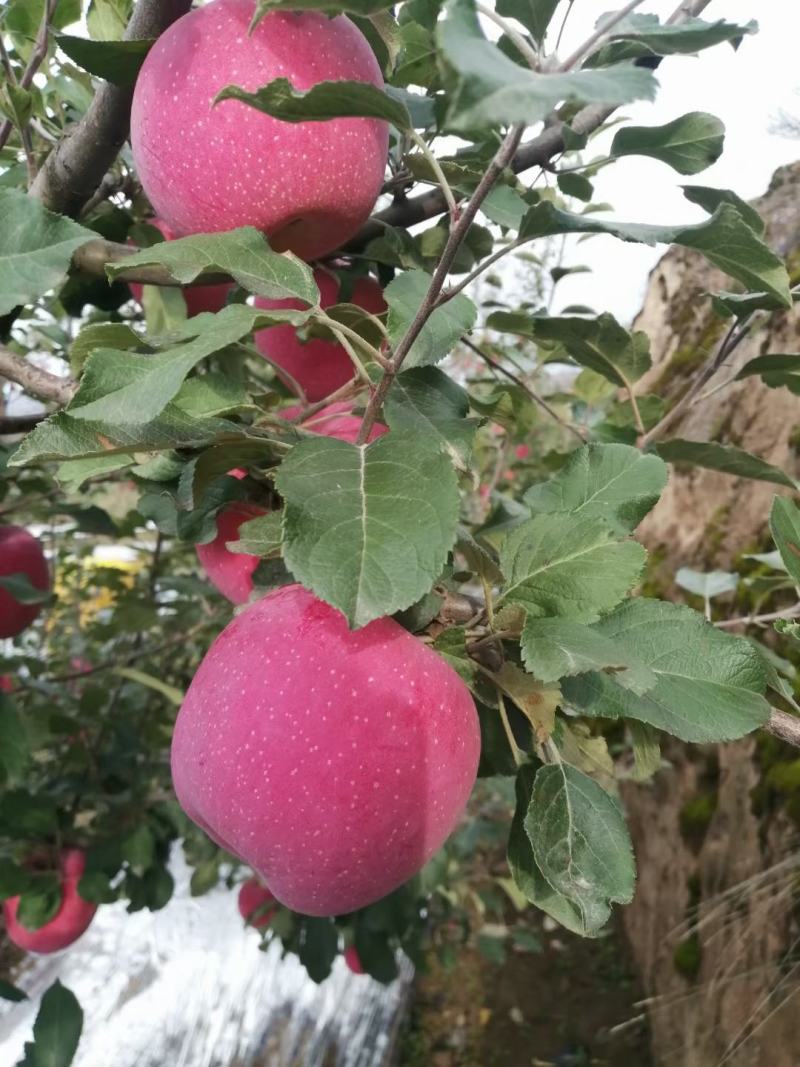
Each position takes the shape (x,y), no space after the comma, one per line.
(253,900)
(318,366)
(333,762)
(70,921)
(309,186)
(20,553)
(198,298)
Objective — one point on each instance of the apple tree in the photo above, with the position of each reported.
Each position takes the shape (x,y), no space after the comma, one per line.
(255,259)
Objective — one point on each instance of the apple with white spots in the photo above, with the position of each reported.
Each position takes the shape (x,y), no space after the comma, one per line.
(71,920)
(318,366)
(199,298)
(20,553)
(333,762)
(309,186)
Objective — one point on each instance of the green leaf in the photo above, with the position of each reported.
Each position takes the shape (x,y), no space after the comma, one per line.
(451,644)
(368,528)
(318,948)
(535,15)
(710,199)
(36,248)
(405,295)
(784,525)
(428,402)
(580,842)
(726,458)
(616,482)
(139,848)
(323,101)
(679,38)
(118,62)
(11,992)
(262,536)
(489,89)
(558,648)
(107,20)
(173,695)
(688,144)
(706,584)
(244,254)
(62,437)
(709,685)
(525,871)
(14,746)
(101,335)
(20,588)
(565,564)
(56,1031)
(577,185)
(726,239)
(600,344)
(505,206)
(124,388)
(39,904)
(213,394)
(775,370)
(646,750)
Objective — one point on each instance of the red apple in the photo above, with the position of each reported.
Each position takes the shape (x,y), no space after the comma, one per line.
(309,185)
(253,898)
(333,762)
(20,553)
(198,298)
(70,921)
(318,366)
(353,960)
(522,451)
(336,420)
(230,572)
(6,683)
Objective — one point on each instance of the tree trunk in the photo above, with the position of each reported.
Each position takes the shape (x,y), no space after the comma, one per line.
(712,925)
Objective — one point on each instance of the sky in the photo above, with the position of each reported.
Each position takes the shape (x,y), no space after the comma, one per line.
(746,89)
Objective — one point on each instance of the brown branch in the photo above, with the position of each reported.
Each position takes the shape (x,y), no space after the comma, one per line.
(534,396)
(77,165)
(34,380)
(784,726)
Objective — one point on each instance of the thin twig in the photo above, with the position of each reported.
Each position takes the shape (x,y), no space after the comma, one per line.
(437,170)
(518,40)
(756,620)
(730,342)
(35,61)
(534,396)
(599,35)
(501,160)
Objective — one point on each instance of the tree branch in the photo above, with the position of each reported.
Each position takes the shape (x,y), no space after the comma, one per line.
(501,160)
(77,165)
(34,380)
(13,424)
(36,60)
(784,726)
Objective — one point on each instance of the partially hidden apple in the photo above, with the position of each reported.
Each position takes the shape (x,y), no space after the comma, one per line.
(333,762)
(318,366)
(232,572)
(6,683)
(353,960)
(70,921)
(254,898)
(198,298)
(20,553)
(308,185)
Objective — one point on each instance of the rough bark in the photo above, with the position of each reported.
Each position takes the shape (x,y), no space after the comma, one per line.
(712,925)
